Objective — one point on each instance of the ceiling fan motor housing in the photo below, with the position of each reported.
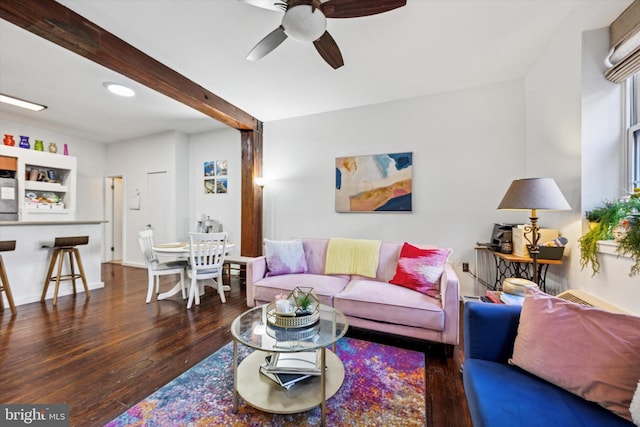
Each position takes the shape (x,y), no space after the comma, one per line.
(304,23)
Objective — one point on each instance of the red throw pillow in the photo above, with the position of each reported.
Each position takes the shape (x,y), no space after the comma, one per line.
(420,269)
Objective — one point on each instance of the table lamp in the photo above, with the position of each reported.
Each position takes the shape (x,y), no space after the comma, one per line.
(534,194)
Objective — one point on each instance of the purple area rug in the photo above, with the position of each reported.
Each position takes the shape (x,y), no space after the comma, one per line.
(383,386)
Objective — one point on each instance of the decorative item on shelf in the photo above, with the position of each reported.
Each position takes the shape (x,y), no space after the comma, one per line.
(53,148)
(24,142)
(300,309)
(52,176)
(506,247)
(38,145)
(35,174)
(65,150)
(8,140)
(620,230)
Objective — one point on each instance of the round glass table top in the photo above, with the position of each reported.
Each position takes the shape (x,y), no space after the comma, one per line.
(252,329)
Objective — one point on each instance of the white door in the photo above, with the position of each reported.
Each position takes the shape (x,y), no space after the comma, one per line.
(157,209)
(114,226)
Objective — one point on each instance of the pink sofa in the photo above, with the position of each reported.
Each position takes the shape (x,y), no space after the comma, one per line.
(367,303)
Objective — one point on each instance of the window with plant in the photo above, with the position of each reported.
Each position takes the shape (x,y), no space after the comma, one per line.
(619,219)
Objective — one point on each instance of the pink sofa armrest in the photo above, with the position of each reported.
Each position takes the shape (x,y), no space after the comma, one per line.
(256,270)
(450,294)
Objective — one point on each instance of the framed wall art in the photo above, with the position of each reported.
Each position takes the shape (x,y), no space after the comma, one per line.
(215,177)
(374,183)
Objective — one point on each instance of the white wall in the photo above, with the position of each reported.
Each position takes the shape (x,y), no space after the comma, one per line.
(467,147)
(573,135)
(217,145)
(602,159)
(133,160)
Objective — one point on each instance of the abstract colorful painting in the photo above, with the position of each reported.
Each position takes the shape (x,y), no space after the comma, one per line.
(215,174)
(374,183)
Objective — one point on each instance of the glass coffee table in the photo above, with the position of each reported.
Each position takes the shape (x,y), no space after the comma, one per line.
(252,329)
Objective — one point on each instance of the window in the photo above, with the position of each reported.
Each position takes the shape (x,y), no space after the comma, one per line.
(632,146)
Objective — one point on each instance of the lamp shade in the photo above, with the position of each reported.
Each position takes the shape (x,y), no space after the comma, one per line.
(534,193)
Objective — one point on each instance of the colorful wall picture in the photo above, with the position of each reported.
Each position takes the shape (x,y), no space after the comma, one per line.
(209,186)
(221,185)
(215,177)
(221,167)
(209,168)
(374,183)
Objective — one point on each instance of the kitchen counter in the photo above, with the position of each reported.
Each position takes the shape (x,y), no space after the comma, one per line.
(27,265)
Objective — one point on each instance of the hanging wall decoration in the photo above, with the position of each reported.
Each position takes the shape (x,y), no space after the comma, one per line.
(374,183)
(215,177)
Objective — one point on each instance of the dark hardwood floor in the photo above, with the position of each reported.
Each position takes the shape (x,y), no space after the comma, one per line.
(104,354)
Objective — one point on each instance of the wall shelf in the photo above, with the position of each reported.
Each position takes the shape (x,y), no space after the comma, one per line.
(54,166)
(45,186)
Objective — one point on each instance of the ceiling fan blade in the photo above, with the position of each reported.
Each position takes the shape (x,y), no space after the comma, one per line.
(329,50)
(267,44)
(358,8)
(277,5)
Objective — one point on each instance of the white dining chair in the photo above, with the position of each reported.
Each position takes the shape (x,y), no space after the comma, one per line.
(206,258)
(155,268)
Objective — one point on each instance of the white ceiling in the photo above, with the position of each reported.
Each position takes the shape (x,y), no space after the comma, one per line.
(428,46)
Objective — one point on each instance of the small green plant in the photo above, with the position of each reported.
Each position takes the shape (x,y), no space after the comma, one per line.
(304,301)
(604,220)
(629,244)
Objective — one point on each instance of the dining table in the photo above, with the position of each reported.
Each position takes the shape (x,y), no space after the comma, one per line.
(181,250)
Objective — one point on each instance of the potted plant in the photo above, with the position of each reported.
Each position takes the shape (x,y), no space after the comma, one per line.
(304,301)
(629,243)
(603,220)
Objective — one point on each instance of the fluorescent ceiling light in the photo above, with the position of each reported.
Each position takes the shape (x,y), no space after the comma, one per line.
(119,89)
(21,103)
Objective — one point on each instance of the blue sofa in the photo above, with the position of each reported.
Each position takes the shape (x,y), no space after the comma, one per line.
(499,394)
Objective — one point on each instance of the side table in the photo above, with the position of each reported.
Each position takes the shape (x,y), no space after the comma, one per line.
(509,265)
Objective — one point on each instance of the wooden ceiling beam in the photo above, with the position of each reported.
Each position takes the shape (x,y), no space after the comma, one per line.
(62,26)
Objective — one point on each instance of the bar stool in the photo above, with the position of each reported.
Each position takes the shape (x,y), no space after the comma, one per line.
(62,246)
(6,245)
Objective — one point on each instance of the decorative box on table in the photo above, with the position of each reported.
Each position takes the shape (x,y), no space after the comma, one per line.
(550,252)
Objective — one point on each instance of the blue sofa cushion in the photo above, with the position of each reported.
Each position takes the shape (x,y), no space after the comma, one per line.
(502,395)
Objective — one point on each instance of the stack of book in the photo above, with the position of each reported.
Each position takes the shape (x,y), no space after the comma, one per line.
(288,369)
(500,297)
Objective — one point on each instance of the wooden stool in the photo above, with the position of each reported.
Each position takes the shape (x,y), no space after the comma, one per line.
(6,245)
(61,246)
(239,263)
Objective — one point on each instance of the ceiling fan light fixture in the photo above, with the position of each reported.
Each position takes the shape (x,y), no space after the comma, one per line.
(119,89)
(304,24)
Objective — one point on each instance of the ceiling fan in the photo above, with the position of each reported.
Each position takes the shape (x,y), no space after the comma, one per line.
(306,21)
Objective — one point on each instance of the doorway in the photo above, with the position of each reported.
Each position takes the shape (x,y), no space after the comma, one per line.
(114,227)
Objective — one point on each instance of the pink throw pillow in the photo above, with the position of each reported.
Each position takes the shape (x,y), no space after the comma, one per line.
(420,269)
(587,351)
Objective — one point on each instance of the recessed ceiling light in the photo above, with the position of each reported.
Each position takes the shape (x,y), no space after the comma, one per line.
(119,89)
(21,103)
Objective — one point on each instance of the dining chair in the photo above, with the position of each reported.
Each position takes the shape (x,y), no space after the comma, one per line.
(206,259)
(155,268)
